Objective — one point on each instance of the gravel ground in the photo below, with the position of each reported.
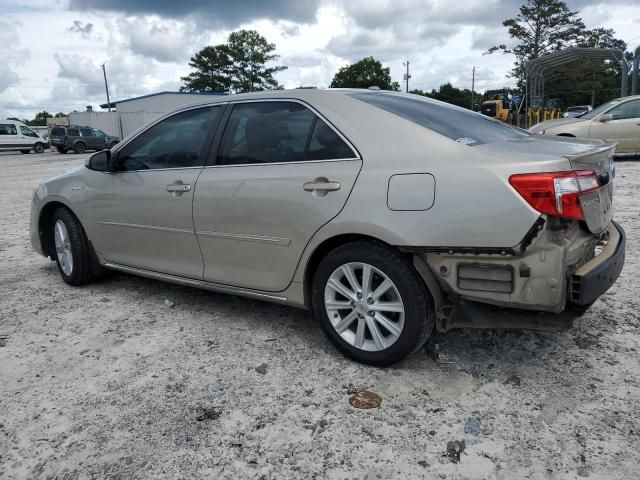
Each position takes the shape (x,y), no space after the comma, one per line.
(131,378)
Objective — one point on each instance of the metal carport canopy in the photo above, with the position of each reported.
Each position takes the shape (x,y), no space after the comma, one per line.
(535,68)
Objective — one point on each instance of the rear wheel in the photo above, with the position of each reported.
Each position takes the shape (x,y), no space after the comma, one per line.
(79,147)
(38,148)
(72,250)
(371,303)
(61,150)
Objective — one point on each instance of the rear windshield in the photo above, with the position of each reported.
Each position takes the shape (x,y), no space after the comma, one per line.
(456,123)
(57,131)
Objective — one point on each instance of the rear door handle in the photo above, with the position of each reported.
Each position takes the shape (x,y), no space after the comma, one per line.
(178,188)
(321,186)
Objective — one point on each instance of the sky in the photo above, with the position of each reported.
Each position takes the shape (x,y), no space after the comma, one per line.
(53,49)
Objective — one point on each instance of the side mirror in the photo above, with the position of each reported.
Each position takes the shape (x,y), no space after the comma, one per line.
(99,161)
(606,117)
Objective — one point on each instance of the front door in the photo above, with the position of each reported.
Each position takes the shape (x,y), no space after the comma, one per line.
(623,128)
(280,174)
(142,212)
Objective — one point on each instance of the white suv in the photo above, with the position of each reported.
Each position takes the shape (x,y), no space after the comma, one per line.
(15,135)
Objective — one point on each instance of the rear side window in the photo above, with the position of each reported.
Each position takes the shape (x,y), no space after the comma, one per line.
(278,132)
(86,132)
(456,123)
(58,132)
(73,132)
(8,129)
(266,132)
(326,144)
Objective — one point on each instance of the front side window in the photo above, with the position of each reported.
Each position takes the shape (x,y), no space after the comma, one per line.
(26,131)
(598,110)
(8,129)
(175,142)
(86,132)
(456,123)
(625,110)
(98,133)
(278,132)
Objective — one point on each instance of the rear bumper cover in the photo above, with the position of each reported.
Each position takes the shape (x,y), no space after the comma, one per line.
(597,275)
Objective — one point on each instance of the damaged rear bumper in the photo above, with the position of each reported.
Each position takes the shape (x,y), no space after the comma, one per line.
(597,275)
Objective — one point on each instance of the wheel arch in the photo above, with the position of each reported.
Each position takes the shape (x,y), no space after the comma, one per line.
(566,135)
(45,226)
(331,243)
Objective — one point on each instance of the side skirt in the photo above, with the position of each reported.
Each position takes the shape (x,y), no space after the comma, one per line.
(214,287)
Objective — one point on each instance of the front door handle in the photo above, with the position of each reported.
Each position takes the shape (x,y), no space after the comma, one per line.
(177,188)
(325,186)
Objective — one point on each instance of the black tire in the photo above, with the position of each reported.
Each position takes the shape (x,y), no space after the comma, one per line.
(79,147)
(81,273)
(419,316)
(25,151)
(62,149)
(38,147)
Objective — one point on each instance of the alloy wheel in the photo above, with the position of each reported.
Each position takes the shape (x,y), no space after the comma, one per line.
(364,306)
(63,247)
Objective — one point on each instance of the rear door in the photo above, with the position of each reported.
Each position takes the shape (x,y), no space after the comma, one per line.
(142,212)
(281,172)
(8,136)
(89,139)
(623,128)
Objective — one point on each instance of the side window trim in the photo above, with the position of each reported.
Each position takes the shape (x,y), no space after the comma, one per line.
(213,155)
(208,142)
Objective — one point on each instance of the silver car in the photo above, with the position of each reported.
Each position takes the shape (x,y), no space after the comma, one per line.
(386,215)
(617,120)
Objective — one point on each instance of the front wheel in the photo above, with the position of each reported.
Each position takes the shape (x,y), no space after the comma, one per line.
(38,148)
(371,303)
(79,147)
(72,250)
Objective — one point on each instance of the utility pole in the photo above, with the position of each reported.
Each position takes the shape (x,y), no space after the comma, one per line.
(473,85)
(406,75)
(106,86)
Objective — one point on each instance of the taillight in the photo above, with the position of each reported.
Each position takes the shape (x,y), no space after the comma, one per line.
(556,193)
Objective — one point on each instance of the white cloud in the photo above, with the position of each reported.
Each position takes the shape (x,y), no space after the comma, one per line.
(146,45)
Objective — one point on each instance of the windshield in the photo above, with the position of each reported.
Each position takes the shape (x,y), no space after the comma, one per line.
(597,111)
(456,123)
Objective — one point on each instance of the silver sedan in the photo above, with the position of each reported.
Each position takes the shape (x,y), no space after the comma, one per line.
(386,215)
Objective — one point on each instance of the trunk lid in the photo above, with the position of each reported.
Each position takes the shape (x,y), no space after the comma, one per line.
(597,205)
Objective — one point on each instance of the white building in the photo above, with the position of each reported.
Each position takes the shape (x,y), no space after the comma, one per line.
(158,102)
(132,113)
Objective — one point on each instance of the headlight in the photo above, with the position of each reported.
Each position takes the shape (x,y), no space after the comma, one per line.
(35,192)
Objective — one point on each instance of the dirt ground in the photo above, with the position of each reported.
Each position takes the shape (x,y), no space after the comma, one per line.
(135,379)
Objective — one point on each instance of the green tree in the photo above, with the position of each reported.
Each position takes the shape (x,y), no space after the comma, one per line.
(242,64)
(250,53)
(40,119)
(211,65)
(453,95)
(366,73)
(541,27)
(60,115)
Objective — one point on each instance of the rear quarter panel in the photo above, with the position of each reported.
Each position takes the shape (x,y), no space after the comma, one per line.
(474,203)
